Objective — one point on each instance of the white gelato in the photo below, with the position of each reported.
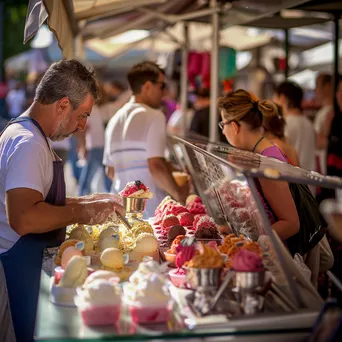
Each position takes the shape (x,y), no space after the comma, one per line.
(101,292)
(150,291)
(146,268)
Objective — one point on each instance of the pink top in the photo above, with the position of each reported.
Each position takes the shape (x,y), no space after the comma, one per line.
(274,152)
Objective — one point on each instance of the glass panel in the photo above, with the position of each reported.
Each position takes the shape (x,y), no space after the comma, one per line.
(232,198)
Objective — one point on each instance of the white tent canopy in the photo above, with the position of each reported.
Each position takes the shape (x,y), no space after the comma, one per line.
(106,18)
(320,55)
(236,37)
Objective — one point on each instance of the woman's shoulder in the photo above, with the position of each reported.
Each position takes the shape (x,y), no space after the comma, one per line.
(274,152)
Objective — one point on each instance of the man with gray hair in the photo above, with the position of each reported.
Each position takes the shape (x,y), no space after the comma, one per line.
(34,210)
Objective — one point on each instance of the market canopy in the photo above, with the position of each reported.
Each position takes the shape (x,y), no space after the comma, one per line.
(106,18)
(200,37)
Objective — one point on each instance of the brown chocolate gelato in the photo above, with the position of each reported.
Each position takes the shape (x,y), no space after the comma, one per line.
(174,232)
(207,233)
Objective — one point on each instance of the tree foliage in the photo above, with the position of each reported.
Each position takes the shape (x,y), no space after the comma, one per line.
(14,17)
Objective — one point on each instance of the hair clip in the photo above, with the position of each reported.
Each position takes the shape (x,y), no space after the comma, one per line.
(256,105)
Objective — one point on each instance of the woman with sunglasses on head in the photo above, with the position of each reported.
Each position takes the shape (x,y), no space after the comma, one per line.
(242,119)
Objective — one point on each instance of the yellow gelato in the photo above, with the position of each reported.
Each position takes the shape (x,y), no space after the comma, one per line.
(146,243)
(81,234)
(112,259)
(141,227)
(75,273)
(109,242)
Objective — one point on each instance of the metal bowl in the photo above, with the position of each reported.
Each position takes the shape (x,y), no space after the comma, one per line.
(250,280)
(134,205)
(204,277)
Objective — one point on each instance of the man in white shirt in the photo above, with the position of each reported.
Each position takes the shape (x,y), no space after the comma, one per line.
(324,96)
(298,130)
(135,139)
(34,210)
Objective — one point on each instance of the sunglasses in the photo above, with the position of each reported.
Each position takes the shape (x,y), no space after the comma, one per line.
(223,123)
(163,85)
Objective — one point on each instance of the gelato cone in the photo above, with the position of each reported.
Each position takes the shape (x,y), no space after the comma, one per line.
(181,178)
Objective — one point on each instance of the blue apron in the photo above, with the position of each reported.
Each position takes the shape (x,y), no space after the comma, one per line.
(23,262)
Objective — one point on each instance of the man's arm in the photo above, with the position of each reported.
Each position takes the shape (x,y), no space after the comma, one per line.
(160,171)
(28,213)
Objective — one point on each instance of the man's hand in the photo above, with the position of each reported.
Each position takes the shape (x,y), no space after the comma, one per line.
(98,211)
(28,213)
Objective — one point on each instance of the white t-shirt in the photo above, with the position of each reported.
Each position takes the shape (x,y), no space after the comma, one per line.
(300,133)
(320,119)
(95,129)
(26,162)
(134,134)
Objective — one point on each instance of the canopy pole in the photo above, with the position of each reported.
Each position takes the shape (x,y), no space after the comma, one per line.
(287,52)
(336,54)
(184,79)
(214,77)
(2,9)
(79,42)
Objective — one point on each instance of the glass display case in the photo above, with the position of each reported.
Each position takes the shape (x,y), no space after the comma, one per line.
(225,180)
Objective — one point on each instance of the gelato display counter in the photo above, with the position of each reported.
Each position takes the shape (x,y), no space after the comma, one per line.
(208,269)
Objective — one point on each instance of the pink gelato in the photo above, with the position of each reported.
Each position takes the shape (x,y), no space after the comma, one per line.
(178,209)
(196,208)
(170,221)
(186,219)
(184,254)
(246,261)
(205,222)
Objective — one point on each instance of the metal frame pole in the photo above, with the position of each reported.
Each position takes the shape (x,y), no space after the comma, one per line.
(287,52)
(79,42)
(336,55)
(184,79)
(2,9)
(214,74)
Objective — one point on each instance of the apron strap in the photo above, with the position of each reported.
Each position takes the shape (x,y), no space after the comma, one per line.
(35,122)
